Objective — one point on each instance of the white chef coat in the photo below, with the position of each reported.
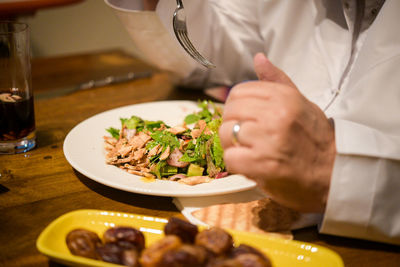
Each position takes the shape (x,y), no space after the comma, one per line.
(338,60)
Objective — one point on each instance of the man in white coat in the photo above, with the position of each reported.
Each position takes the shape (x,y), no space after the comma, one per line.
(320,123)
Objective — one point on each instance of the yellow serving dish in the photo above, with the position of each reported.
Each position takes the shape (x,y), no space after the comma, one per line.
(51,241)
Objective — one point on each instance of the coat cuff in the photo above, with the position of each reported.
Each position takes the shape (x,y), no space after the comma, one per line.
(363,196)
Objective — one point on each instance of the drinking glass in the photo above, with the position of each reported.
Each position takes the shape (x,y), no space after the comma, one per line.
(17,119)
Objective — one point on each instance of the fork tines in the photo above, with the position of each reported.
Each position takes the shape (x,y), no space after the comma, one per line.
(181,34)
(191,50)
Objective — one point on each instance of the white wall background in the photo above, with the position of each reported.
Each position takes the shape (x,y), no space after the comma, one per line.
(87,26)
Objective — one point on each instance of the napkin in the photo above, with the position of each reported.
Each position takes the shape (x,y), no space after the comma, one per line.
(241,200)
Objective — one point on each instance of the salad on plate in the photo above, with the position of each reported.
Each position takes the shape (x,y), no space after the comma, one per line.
(189,153)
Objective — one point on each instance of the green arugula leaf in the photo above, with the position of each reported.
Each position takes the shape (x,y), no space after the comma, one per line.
(152,125)
(162,169)
(165,139)
(214,125)
(218,152)
(114,132)
(132,123)
(192,118)
(196,152)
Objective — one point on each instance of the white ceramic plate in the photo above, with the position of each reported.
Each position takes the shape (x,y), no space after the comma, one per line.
(83,148)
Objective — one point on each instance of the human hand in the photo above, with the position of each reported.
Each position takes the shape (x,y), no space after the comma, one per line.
(286,143)
(150,4)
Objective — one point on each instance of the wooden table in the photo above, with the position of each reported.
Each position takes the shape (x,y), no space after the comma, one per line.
(38,186)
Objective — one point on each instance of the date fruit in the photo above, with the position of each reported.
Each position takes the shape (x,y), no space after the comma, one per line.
(83,243)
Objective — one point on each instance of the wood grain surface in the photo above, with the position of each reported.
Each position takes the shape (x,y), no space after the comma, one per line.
(38,186)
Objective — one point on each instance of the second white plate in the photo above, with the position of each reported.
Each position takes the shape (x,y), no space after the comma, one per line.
(83,148)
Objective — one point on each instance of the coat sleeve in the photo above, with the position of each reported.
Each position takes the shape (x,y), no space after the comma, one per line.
(364,196)
(224,31)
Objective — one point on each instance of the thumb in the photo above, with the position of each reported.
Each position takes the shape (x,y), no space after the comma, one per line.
(266,71)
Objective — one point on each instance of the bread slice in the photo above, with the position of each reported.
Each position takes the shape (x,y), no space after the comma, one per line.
(253,216)
(271,216)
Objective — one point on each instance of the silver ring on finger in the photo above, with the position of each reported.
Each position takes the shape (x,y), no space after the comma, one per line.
(235,133)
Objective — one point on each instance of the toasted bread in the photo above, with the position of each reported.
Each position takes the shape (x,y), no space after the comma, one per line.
(249,216)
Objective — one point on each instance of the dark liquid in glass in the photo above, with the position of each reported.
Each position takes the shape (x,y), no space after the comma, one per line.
(17,119)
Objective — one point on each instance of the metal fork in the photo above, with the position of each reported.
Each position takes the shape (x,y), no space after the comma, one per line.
(181,33)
